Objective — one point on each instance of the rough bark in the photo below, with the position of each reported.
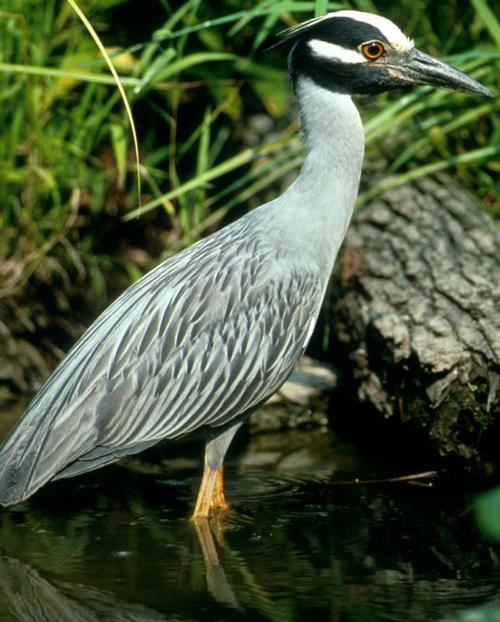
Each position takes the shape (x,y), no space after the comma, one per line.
(414,308)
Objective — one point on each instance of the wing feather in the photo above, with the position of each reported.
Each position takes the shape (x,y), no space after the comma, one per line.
(197,342)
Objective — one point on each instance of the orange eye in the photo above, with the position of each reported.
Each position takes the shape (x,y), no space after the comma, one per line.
(372,50)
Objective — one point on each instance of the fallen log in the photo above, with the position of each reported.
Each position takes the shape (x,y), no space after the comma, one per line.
(414,316)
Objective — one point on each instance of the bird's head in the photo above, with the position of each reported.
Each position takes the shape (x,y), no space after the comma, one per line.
(359,53)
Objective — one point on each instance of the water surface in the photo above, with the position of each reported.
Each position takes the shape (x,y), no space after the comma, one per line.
(303,542)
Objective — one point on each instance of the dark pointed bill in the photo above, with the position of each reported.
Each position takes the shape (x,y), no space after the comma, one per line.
(419,68)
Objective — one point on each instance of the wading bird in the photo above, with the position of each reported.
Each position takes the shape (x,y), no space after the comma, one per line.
(204,339)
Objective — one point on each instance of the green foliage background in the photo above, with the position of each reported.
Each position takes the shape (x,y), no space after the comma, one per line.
(216,127)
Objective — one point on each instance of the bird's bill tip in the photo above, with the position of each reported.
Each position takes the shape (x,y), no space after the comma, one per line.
(420,68)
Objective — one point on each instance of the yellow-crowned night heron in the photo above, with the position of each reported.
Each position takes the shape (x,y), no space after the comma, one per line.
(205,338)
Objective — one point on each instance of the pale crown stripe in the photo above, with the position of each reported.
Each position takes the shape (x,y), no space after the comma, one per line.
(397,39)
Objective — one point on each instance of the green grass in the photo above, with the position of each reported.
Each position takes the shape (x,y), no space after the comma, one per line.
(198,78)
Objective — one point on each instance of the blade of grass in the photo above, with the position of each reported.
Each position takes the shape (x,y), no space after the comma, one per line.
(186,62)
(154,67)
(65,74)
(427,169)
(119,85)
(202,166)
(264,31)
(488,18)
(167,30)
(233,93)
(320,8)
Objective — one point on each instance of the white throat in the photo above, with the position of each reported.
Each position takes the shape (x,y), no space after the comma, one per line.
(322,197)
(331,122)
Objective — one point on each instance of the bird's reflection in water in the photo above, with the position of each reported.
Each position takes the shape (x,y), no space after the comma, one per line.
(211,539)
(30,596)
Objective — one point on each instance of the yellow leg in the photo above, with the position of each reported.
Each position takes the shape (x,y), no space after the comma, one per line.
(211,494)
(218,500)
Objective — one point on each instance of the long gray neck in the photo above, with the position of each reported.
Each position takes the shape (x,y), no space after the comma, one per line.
(322,197)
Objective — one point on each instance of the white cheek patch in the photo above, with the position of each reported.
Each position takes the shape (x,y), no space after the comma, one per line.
(330,51)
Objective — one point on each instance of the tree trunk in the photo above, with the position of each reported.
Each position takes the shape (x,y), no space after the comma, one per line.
(414,312)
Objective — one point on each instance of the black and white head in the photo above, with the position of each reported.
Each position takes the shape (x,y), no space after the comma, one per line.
(355,53)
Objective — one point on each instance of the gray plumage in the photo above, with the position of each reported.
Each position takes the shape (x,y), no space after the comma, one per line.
(210,334)
(196,343)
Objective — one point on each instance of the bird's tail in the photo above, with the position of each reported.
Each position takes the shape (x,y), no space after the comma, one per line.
(14,471)
(24,466)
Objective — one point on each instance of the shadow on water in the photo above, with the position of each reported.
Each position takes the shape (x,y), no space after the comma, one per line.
(299,544)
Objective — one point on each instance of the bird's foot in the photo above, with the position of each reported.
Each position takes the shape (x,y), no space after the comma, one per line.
(211,500)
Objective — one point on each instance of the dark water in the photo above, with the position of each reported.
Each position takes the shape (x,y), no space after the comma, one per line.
(302,543)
